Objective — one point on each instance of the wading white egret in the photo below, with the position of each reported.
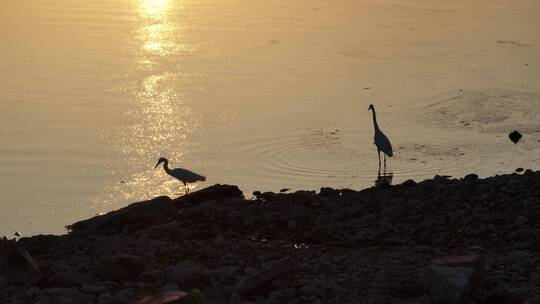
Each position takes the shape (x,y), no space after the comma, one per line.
(381,141)
(184,175)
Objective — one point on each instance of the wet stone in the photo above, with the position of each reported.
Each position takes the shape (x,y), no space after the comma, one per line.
(308,290)
(120,267)
(105,298)
(521,221)
(471,177)
(518,256)
(515,136)
(93,289)
(291,225)
(125,296)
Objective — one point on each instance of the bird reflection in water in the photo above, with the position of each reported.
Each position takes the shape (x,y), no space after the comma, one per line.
(385,179)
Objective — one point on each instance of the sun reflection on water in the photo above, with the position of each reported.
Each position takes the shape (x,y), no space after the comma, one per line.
(153,8)
(159,32)
(156,27)
(160,121)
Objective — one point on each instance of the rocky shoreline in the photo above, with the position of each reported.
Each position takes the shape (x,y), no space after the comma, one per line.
(442,240)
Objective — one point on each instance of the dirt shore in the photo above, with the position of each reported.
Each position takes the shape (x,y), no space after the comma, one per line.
(335,246)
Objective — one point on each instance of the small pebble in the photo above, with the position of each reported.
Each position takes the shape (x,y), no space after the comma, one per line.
(515,136)
(291,225)
(521,221)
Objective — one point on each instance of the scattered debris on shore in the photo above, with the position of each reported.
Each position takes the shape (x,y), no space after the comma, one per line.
(515,136)
(442,240)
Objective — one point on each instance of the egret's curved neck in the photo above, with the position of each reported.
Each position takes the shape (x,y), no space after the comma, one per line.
(166,167)
(375,125)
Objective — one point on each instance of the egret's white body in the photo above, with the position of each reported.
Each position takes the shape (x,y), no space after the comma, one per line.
(183,175)
(381,141)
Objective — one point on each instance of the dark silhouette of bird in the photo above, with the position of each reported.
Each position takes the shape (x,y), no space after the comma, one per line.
(183,175)
(381,141)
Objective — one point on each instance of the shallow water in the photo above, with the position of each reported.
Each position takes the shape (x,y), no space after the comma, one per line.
(266,95)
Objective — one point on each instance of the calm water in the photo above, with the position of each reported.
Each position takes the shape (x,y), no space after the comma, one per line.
(263,94)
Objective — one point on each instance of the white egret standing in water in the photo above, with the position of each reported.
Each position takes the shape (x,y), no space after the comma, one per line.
(381,141)
(184,175)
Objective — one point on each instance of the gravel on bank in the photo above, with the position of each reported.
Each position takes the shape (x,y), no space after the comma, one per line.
(333,246)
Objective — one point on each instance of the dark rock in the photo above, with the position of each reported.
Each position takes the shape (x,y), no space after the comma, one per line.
(529,172)
(120,267)
(408,288)
(518,256)
(449,285)
(169,297)
(326,191)
(165,230)
(470,177)
(188,274)
(235,298)
(19,267)
(151,275)
(206,209)
(41,243)
(523,235)
(140,213)
(391,211)
(308,290)
(519,170)
(249,270)
(227,272)
(69,278)
(215,192)
(521,221)
(105,298)
(220,241)
(349,247)
(283,281)
(125,296)
(64,300)
(471,260)
(302,197)
(270,272)
(474,249)
(93,289)
(234,202)
(515,136)
(71,293)
(448,280)
(268,196)
(291,225)
(408,183)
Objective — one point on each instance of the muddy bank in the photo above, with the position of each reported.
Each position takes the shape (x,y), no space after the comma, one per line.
(390,244)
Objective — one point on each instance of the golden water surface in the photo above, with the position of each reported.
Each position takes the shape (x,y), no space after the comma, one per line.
(262,94)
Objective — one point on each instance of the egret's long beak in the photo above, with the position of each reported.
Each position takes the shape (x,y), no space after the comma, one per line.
(156,165)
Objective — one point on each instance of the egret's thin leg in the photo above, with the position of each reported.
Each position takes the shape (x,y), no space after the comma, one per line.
(379,152)
(385,163)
